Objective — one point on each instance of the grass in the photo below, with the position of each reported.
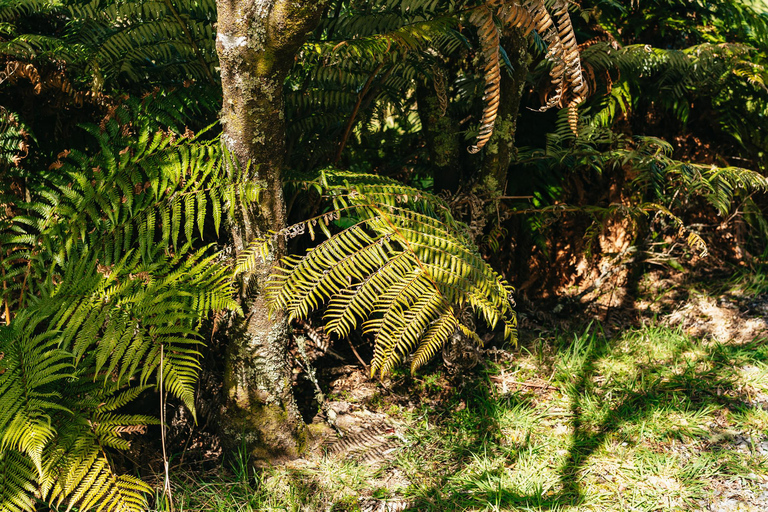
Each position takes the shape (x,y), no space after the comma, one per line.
(652,420)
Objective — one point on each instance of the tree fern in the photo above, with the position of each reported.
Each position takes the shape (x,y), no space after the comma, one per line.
(400,271)
(660,185)
(553,24)
(105,302)
(365,55)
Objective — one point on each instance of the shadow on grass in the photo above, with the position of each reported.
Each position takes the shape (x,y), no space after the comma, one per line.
(703,381)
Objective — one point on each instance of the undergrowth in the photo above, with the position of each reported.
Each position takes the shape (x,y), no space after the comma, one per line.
(651,420)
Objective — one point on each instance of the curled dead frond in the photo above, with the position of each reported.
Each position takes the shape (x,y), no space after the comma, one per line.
(573,116)
(555,27)
(482,18)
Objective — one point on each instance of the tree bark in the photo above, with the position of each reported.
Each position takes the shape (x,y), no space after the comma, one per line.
(501,147)
(441,132)
(256,42)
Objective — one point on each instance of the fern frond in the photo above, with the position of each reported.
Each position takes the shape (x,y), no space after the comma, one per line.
(82,477)
(110,293)
(434,339)
(411,309)
(33,369)
(562,51)
(17,482)
(489,42)
(396,272)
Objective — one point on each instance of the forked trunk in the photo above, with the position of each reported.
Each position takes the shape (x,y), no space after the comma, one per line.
(256,42)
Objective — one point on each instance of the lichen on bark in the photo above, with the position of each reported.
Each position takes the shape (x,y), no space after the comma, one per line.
(256,42)
(500,149)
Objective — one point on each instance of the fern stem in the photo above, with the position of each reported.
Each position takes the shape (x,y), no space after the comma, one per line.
(357,355)
(351,121)
(6,307)
(166,480)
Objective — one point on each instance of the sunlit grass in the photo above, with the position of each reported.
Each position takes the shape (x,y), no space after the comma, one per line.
(647,421)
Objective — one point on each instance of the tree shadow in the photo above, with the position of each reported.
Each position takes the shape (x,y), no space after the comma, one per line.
(707,381)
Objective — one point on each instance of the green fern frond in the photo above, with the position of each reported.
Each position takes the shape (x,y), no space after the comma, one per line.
(397,272)
(17,482)
(48,449)
(82,477)
(34,368)
(434,338)
(119,302)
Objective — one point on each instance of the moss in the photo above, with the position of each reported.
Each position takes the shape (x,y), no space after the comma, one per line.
(267,430)
(503,133)
(260,412)
(445,134)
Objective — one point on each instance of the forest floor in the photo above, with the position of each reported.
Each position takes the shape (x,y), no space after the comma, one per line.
(671,414)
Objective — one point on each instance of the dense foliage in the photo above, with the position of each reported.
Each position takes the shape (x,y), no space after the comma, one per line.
(114,186)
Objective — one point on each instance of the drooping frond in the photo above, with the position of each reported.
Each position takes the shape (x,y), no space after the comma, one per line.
(555,29)
(398,272)
(489,43)
(17,482)
(570,55)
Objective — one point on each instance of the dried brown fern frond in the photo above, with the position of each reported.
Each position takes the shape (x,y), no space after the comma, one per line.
(566,76)
(488,34)
(513,14)
(570,57)
(573,115)
(56,81)
(572,61)
(603,38)
(546,27)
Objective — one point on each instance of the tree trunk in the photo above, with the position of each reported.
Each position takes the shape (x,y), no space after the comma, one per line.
(442,135)
(256,42)
(501,148)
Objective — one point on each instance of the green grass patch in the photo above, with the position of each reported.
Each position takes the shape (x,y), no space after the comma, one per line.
(652,420)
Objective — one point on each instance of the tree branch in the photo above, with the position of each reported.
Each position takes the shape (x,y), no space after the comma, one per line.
(351,121)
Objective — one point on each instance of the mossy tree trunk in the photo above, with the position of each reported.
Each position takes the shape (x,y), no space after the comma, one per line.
(256,41)
(499,151)
(442,136)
